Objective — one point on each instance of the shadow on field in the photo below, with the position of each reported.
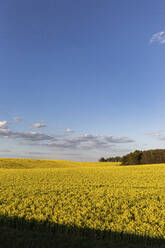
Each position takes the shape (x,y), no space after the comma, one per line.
(20,233)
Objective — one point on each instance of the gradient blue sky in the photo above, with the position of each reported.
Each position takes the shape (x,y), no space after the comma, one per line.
(90,73)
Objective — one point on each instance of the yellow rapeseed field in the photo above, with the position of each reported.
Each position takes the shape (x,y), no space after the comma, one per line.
(103,197)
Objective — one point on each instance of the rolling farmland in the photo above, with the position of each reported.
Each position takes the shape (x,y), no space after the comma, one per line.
(44,203)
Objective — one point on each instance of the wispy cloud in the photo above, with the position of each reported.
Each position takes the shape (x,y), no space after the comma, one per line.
(155,133)
(122,139)
(32,136)
(83,142)
(39,153)
(62,142)
(68,130)
(17,119)
(3,124)
(39,125)
(88,141)
(160,135)
(5,151)
(158,38)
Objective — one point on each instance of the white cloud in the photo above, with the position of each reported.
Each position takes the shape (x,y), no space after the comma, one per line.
(160,135)
(32,136)
(155,133)
(39,125)
(68,130)
(88,141)
(158,38)
(17,119)
(122,139)
(82,142)
(5,151)
(39,153)
(3,124)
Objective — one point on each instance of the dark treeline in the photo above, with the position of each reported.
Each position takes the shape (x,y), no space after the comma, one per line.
(144,157)
(140,157)
(110,159)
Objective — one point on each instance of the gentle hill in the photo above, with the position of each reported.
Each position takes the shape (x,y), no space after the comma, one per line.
(13,163)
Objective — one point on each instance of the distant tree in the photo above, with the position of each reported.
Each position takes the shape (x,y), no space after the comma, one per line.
(114,159)
(102,159)
(132,158)
(110,159)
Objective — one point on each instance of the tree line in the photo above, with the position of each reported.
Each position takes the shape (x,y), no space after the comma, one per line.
(156,156)
(110,159)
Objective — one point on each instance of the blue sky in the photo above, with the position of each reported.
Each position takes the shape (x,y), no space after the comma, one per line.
(84,78)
